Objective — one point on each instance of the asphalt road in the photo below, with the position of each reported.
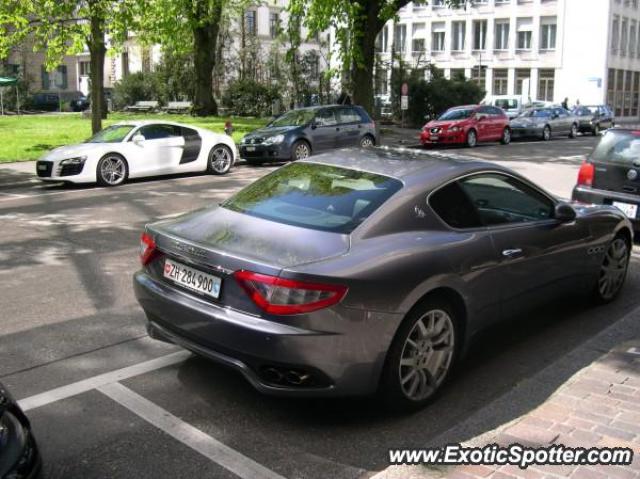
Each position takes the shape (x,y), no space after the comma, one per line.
(69,317)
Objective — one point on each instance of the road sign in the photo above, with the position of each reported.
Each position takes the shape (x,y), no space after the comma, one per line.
(404,102)
(405,89)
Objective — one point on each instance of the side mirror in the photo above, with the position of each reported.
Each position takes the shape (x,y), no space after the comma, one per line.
(314,125)
(564,213)
(138,138)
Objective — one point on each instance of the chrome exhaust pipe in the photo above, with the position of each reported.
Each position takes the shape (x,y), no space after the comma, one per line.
(273,375)
(296,378)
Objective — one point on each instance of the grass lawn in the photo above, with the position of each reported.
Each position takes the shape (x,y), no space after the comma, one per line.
(28,137)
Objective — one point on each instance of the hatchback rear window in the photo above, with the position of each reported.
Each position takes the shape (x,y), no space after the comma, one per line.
(321,197)
(618,147)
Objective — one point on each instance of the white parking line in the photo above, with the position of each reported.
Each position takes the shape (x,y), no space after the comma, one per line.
(197,440)
(85,385)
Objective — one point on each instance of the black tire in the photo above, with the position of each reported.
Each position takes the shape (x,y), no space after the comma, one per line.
(220,160)
(472,138)
(367,141)
(574,131)
(392,387)
(297,148)
(546,133)
(104,178)
(506,136)
(596,130)
(601,294)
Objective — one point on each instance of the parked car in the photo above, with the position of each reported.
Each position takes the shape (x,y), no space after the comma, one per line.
(593,119)
(543,123)
(80,103)
(611,174)
(139,149)
(19,456)
(297,134)
(468,125)
(511,104)
(369,270)
(53,100)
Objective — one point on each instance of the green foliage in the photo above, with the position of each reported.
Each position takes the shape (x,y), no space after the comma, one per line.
(431,97)
(138,86)
(177,76)
(250,98)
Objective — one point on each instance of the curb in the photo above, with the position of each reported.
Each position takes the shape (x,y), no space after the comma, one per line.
(521,397)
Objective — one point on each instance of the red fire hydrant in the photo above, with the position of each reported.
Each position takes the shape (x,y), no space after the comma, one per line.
(228,127)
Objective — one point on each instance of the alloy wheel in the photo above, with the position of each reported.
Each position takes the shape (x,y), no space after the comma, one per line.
(220,160)
(546,134)
(506,136)
(366,142)
(301,151)
(613,269)
(113,170)
(471,139)
(426,355)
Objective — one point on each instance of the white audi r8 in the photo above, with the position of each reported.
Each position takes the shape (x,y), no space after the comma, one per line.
(137,149)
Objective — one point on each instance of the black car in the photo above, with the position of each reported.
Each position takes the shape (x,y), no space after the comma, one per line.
(19,457)
(298,134)
(611,174)
(594,118)
(80,103)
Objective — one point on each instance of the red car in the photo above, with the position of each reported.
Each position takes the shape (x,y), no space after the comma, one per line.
(467,125)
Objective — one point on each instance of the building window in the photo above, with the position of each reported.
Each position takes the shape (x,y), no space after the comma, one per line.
(124,59)
(502,35)
(437,37)
(418,38)
(250,25)
(381,81)
(458,32)
(615,34)
(632,38)
(546,84)
(479,75)
(400,38)
(619,92)
(522,74)
(382,40)
(56,80)
(611,87)
(503,2)
(624,37)
(274,24)
(417,45)
(627,93)
(438,3)
(500,81)
(85,69)
(548,30)
(479,34)
(457,74)
(636,91)
(525,26)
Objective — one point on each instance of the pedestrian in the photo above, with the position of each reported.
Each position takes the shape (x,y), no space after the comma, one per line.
(565,104)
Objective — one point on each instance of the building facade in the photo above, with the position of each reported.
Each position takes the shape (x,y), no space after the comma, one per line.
(586,50)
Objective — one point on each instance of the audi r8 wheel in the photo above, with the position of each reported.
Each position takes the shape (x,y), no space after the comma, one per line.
(613,270)
(421,355)
(220,160)
(112,170)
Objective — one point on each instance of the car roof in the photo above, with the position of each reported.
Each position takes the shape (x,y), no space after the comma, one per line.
(465,106)
(152,122)
(409,165)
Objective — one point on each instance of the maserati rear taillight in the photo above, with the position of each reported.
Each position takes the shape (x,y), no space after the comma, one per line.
(586,174)
(147,248)
(286,296)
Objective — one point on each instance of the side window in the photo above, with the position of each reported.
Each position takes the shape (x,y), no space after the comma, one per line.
(453,206)
(189,133)
(497,111)
(502,199)
(159,132)
(325,118)
(347,115)
(484,110)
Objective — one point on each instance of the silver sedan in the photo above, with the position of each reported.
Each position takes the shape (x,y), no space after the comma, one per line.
(544,123)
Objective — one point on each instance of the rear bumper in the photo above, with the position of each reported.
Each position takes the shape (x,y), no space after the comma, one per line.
(586,194)
(336,364)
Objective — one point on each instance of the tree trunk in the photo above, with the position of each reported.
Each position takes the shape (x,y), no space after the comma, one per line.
(362,69)
(97,51)
(205,38)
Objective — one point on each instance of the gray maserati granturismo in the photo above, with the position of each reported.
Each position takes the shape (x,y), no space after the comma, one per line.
(370,270)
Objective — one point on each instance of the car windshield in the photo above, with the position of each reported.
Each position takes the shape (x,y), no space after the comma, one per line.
(536,113)
(457,114)
(294,118)
(320,197)
(621,147)
(111,134)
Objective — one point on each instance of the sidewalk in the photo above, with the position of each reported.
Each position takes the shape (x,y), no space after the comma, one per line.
(598,406)
(395,136)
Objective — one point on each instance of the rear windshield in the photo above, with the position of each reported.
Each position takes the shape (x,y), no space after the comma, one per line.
(618,147)
(314,196)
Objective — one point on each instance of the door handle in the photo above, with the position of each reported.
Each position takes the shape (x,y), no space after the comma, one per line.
(510,253)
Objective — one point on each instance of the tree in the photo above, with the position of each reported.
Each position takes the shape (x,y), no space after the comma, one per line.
(356,24)
(64,27)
